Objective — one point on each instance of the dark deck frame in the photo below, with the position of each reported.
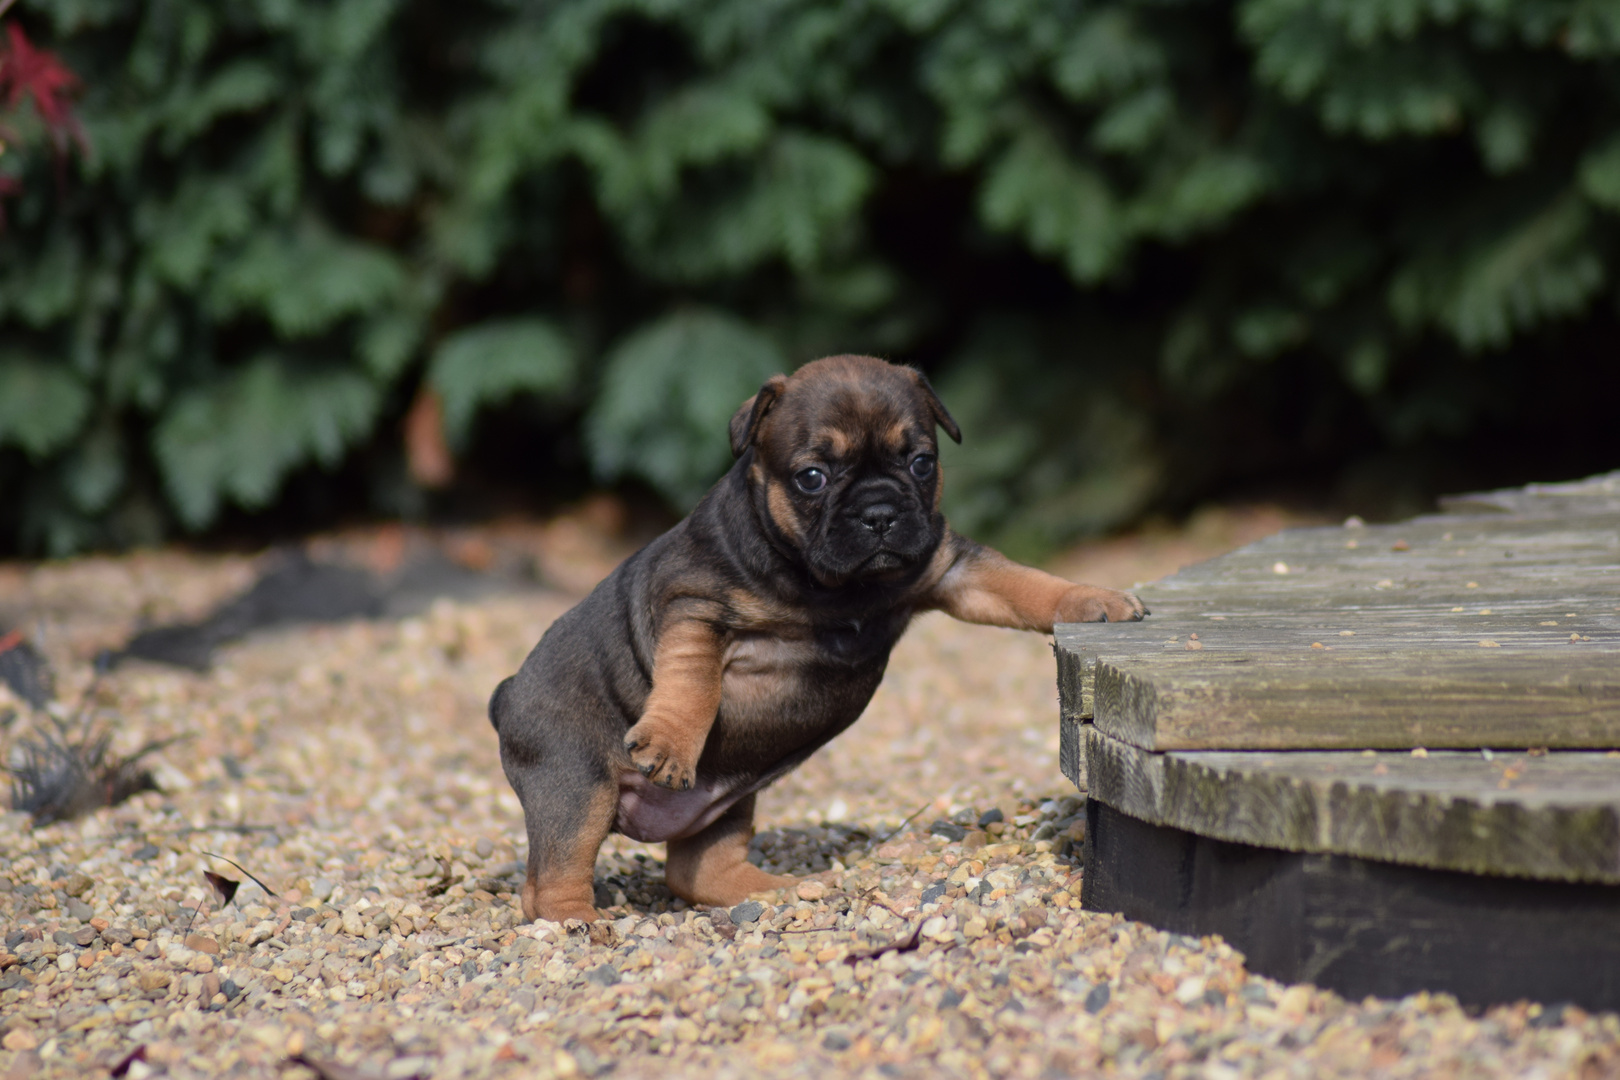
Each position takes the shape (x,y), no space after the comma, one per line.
(1293,799)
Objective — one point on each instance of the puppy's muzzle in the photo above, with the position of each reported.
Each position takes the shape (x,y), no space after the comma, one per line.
(879,518)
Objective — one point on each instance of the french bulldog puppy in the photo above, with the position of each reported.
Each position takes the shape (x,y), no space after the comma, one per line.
(728,650)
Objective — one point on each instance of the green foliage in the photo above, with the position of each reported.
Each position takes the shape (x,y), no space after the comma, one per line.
(41,405)
(240,435)
(667,398)
(489,362)
(1147,250)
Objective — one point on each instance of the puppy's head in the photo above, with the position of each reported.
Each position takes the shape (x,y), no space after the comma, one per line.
(846,465)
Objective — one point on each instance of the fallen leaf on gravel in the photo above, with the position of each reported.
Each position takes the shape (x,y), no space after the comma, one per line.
(224,887)
(137,1054)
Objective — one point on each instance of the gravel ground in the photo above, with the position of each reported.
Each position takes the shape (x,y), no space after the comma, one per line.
(350,769)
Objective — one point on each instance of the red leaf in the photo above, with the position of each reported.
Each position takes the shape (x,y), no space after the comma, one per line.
(38,73)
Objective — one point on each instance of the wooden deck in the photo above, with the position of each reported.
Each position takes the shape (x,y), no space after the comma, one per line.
(1379,722)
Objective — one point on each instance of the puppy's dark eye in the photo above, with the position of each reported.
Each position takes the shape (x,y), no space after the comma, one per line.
(810,481)
(922,466)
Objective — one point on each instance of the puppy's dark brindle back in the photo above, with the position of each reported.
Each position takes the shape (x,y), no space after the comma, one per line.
(728,650)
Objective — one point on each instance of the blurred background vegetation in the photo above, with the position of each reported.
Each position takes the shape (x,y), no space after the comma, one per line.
(318,260)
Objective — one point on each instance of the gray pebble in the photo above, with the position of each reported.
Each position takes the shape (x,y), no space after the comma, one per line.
(747,912)
(605,975)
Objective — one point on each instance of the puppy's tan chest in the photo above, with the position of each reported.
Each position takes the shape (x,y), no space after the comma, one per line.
(761,667)
(754,654)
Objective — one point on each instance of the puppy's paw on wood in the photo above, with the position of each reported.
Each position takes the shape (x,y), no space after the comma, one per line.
(661,755)
(1087,603)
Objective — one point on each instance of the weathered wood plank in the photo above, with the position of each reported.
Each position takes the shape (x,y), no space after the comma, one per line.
(1358,926)
(1597,494)
(1262,679)
(1418,698)
(1554,816)
(1443,631)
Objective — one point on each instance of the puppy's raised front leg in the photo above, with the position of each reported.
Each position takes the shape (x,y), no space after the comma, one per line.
(982,585)
(667,741)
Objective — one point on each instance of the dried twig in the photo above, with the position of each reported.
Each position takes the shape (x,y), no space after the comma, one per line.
(875,844)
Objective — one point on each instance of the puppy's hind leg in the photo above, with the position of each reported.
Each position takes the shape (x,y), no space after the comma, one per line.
(569,802)
(713,868)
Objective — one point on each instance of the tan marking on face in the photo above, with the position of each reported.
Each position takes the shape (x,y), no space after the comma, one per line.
(837,440)
(896,436)
(779,504)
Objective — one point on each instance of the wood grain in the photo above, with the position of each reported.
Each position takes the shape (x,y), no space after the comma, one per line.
(1553,816)
(1447,631)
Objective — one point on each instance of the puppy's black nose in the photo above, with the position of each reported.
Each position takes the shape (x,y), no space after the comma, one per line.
(879,517)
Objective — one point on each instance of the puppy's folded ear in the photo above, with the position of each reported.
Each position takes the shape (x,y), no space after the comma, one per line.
(941,416)
(745,422)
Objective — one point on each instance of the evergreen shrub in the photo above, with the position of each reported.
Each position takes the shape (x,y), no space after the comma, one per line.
(1149,251)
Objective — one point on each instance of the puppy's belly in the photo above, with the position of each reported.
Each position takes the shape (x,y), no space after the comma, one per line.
(653,814)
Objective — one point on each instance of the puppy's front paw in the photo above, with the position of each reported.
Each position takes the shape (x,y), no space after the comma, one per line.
(1087,603)
(661,756)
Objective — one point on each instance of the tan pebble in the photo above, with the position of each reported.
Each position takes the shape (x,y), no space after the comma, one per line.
(811,890)
(87,960)
(281,974)
(153,979)
(975,928)
(19,1039)
(202,943)
(1294,1001)
(202,963)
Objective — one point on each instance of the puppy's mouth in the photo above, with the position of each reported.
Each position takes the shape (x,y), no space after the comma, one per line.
(883,561)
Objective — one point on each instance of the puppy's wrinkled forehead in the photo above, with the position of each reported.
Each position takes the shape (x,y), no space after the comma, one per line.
(849,406)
